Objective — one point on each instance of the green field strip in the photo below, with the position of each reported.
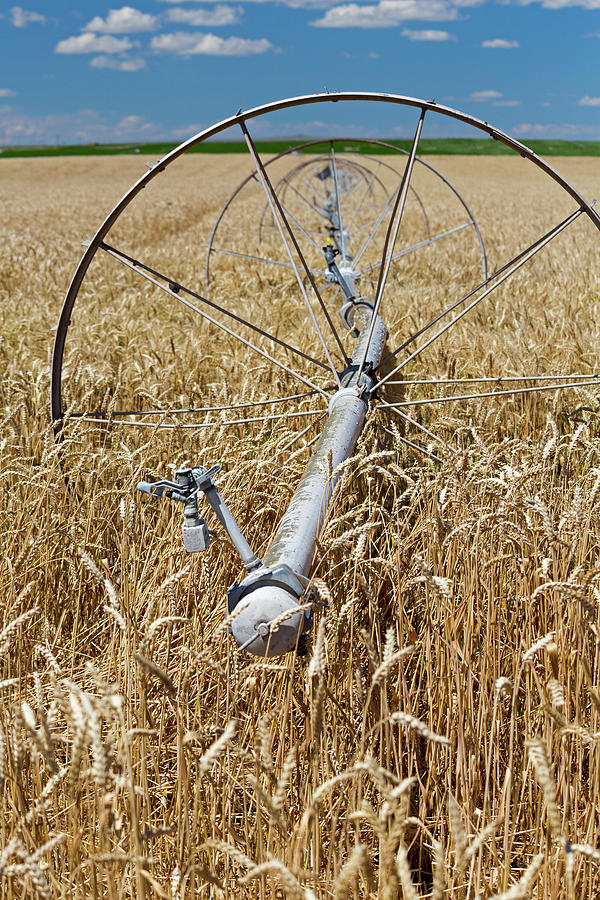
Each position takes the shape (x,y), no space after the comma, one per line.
(431,146)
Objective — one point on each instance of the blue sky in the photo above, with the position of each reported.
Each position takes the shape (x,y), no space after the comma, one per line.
(163,69)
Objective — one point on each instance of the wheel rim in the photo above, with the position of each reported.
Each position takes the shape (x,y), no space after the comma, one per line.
(316,385)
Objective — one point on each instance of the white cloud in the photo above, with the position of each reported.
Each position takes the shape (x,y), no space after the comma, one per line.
(484,96)
(21,18)
(589,101)
(493,97)
(6,92)
(220,15)
(91,43)
(429,34)
(296,4)
(121,65)
(84,126)
(186,44)
(563,4)
(386,13)
(126,20)
(188,130)
(500,44)
(134,124)
(567,130)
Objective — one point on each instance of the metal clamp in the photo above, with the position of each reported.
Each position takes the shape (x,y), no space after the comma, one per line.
(347,313)
(333,272)
(279,575)
(356,391)
(268,620)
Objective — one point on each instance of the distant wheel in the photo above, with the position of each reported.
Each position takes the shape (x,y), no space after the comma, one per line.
(308,195)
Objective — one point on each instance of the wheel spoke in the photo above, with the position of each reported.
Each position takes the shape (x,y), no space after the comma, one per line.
(484,394)
(283,223)
(362,227)
(316,209)
(375,205)
(376,225)
(312,441)
(273,262)
(246,421)
(500,379)
(397,436)
(302,433)
(420,245)
(198,409)
(142,268)
(421,427)
(368,188)
(338,204)
(281,186)
(311,187)
(176,295)
(509,269)
(302,230)
(392,234)
(380,219)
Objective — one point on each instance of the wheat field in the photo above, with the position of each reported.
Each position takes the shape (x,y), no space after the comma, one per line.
(441,739)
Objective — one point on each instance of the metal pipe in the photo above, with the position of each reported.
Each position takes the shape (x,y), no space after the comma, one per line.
(294,541)
(271,593)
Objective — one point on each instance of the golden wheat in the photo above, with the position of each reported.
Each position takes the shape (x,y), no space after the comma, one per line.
(140,753)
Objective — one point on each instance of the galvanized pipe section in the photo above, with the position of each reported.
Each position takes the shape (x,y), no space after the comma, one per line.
(266,617)
(294,541)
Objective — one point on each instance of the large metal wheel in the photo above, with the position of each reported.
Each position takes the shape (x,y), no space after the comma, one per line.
(270,344)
